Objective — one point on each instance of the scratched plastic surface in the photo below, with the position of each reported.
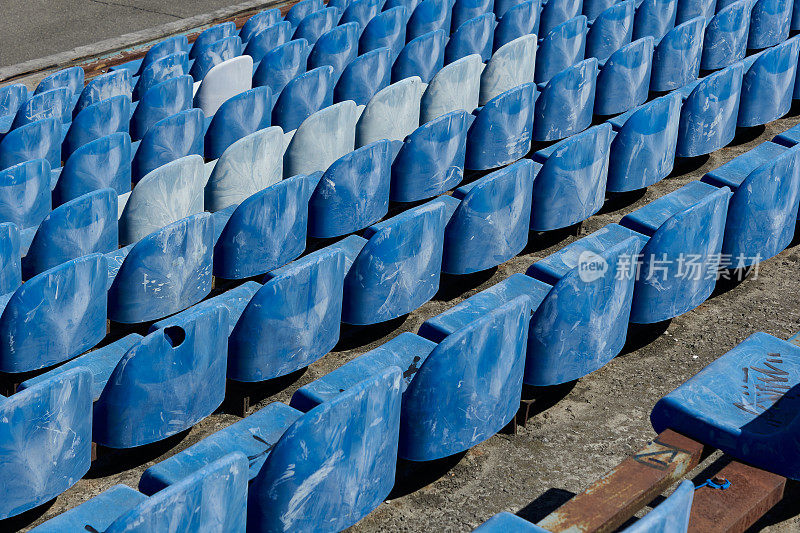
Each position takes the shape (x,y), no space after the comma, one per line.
(422,56)
(676,60)
(25,193)
(364,76)
(393,112)
(560,48)
(512,65)
(10,268)
(555,12)
(55,103)
(104,86)
(317,23)
(769,23)
(301,9)
(281,65)
(95,121)
(267,39)
(303,96)
(168,140)
(210,36)
(336,47)
(624,80)
(474,36)
(161,70)
(455,87)
(71,78)
(464,10)
(654,18)
(223,81)
(98,164)
(767,86)
(239,116)
(611,30)
(726,36)
(37,140)
(521,19)
(387,29)
(361,11)
(565,105)
(11,98)
(428,16)
(161,101)
(321,139)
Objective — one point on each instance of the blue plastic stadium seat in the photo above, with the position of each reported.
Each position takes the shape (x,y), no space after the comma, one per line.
(104,86)
(25,193)
(490,225)
(281,65)
(676,61)
(689,9)
(521,19)
(654,18)
(464,10)
(396,268)
(565,105)
(456,87)
(502,130)
(361,12)
(431,160)
(85,225)
(611,30)
(388,29)
(593,8)
(680,261)
(165,272)
(303,96)
(55,103)
(474,36)
(422,56)
(37,140)
(11,98)
(267,39)
(45,440)
(317,23)
(337,48)
(555,12)
(767,86)
(501,7)
(301,10)
(266,231)
(321,139)
(364,76)
(410,5)
(172,45)
(795,17)
(167,140)
(744,403)
(224,81)
(789,137)
(161,101)
(10,268)
(457,393)
(71,78)
(763,210)
(98,120)
(643,150)
(213,499)
(258,22)
(570,180)
(210,36)
(238,117)
(54,316)
(511,65)
(726,36)
(428,16)
(392,113)
(563,46)
(171,66)
(710,111)
(98,164)
(624,80)
(169,193)
(769,23)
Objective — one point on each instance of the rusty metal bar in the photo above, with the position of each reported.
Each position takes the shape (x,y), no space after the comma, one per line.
(635,482)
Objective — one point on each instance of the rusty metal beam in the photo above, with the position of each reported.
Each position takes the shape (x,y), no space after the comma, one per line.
(752,493)
(635,482)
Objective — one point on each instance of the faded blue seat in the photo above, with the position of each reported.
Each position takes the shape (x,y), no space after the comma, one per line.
(303,96)
(281,65)
(301,9)
(336,47)
(689,9)
(676,60)
(511,65)
(55,315)
(37,140)
(332,465)
(238,117)
(214,54)
(167,140)
(396,267)
(55,103)
(364,76)
(392,113)
(354,192)
(422,56)
(213,499)
(456,87)
(210,36)
(795,17)
(267,39)
(570,180)
(490,225)
(172,45)
(555,12)
(744,403)
(769,23)
(562,47)
(410,5)
(593,8)
(431,160)
(654,18)
(161,70)
(105,162)
(258,22)
(361,11)
(464,10)
(10,267)
(388,29)
(789,137)
(321,139)
(566,103)
(25,193)
(767,86)
(502,6)
(224,81)
(624,80)
(456,394)
(679,263)
(247,166)
(502,129)
(474,36)
(265,231)
(317,23)
(428,16)
(643,151)
(71,78)
(114,83)
(161,101)
(521,19)
(611,30)
(726,36)
(763,210)
(710,111)
(98,120)
(169,193)
(45,440)
(83,226)
(165,272)
(11,98)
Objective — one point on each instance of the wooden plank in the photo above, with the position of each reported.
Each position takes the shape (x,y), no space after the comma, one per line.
(617,496)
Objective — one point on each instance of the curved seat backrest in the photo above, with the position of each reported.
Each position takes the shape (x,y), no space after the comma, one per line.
(364,76)
(726,36)
(167,140)
(321,139)
(114,83)
(101,163)
(210,36)
(422,56)
(25,193)
(317,23)
(167,271)
(689,9)
(386,29)
(562,47)
(654,18)
(464,10)
(223,81)
(302,97)
(267,230)
(455,87)
(769,84)
(566,103)
(161,101)
(171,66)
(37,140)
(676,61)
(10,268)
(95,121)
(336,47)
(238,117)
(281,65)
(11,98)
(428,16)
(624,81)
(475,36)
(393,113)
(347,446)
(593,8)
(170,380)
(611,30)
(301,10)
(169,193)
(361,11)
(72,78)
(267,39)
(55,315)
(172,45)
(554,12)
(258,22)
(511,65)
(55,103)
(83,226)
(521,19)
(769,23)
